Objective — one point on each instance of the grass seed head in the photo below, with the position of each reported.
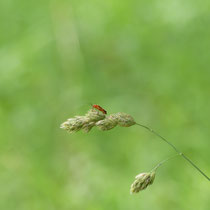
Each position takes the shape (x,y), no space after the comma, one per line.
(142,181)
(96,118)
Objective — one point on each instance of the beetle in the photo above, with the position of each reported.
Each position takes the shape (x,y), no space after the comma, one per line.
(99,108)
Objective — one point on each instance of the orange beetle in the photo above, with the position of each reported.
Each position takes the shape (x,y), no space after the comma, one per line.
(99,108)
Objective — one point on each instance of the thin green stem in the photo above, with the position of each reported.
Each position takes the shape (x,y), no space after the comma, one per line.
(180,153)
(162,162)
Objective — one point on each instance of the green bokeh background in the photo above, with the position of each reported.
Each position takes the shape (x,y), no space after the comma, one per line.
(146,58)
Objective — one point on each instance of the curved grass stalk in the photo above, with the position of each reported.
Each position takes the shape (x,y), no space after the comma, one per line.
(166,160)
(178,152)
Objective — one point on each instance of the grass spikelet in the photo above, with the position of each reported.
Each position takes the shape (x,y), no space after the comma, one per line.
(88,126)
(124,120)
(94,115)
(108,123)
(83,122)
(74,124)
(142,181)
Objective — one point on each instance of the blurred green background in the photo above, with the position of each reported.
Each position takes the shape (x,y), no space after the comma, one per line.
(146,58)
